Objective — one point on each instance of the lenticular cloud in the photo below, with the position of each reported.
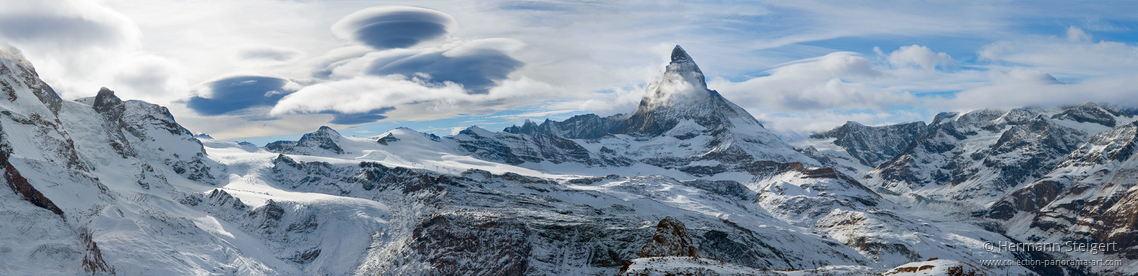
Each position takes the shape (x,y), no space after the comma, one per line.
(394,27)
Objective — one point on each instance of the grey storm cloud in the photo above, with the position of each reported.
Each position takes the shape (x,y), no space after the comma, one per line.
(394,27)
(477,70)
(239,93)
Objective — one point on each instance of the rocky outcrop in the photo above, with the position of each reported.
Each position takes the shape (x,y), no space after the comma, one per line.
(873,145)
(146,124)
(671,240)
(1088,197)
(20,186)
(979,156)
(515,149)
(588,126)
(458,244)
(1092,113)
(323,140)
(682,94)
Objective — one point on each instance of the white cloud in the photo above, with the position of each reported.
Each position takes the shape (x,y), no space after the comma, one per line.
(827,82)
(590,56)
(364,94)
(1075,56)
(802,124)
(1077,35)
(1025,87)
(920,56)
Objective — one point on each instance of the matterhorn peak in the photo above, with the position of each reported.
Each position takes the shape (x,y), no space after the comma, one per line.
(683,64)
(681,84)
(681,94)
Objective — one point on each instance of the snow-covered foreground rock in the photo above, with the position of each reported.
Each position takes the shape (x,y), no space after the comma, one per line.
(687,184)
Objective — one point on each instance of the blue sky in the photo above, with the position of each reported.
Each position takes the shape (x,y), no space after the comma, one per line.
(262,70)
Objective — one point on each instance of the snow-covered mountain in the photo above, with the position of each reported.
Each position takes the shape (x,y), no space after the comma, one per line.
(1089,197)
(975,158)
(687,183)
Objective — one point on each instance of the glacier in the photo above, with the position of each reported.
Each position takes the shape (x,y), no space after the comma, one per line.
(688,183)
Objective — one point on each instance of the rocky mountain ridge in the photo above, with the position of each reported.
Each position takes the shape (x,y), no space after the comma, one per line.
(688,183)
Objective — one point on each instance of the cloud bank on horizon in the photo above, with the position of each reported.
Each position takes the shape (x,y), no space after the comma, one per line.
(266,68)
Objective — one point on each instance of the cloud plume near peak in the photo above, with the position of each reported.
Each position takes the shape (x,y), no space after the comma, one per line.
(271,65)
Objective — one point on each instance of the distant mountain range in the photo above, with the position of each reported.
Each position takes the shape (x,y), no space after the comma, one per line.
(687,184)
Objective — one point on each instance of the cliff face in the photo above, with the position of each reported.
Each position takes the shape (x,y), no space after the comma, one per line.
(671,240)
(1090,196)
(103,185)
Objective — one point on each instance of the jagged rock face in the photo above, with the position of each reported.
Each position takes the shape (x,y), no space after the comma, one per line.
(324,139)
(123,169)
(671,240)
(90,167)
(588,126)
(565,236)
(385,140)
(149,131)
(1088,197)
(516,149)
(682,94)
(1115,145)
(710,134)
(873,145)
(19,73)
(1094,113)
(959,153)
(465,245)
(341,180)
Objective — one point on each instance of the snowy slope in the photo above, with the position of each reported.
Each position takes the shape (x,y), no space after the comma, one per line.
(1092,196)
(976,157)
(102,185)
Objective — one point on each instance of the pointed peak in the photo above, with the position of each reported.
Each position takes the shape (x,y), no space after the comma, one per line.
(106,100)
(104,90)
(327,129)
(679,55)
(323,131)
(685,66)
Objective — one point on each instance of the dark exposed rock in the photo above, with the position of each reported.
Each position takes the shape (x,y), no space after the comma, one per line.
(323,139)
(341,180)
(671,240)
(20,186)
(588,126)
(728,188)
(386,139)
(1092,113)
(456,244)
(517,148)
(306,256)
(873,145)
(93,261)
(1027,199)
(1029,146)
(1087,198)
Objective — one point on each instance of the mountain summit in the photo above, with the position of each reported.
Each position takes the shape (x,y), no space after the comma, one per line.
(681,94)
(682,82)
